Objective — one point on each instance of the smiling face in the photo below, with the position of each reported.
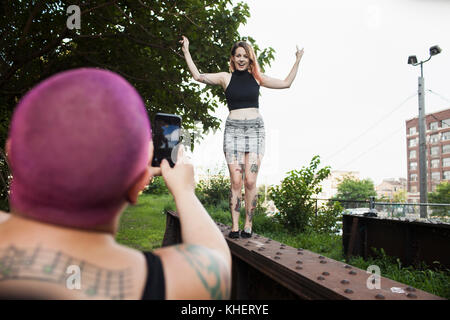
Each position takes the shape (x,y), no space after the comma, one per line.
(241,59)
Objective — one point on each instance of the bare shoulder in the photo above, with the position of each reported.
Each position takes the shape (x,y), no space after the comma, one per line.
(195,272)
(4,216)
(226,79)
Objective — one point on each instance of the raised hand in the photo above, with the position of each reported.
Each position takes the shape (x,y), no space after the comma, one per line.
(299,53)
(185,44)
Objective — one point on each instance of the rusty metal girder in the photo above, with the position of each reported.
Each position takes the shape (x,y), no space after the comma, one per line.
(412,242)
(296,273)
(312,276)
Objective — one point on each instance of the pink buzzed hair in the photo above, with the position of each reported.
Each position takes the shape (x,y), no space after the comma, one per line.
(79,141)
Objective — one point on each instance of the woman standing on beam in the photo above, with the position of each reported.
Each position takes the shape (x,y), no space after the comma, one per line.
(244,139)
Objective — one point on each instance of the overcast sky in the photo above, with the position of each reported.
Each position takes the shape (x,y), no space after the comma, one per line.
(354,89)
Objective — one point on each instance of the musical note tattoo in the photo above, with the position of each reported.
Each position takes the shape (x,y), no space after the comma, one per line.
(46,265)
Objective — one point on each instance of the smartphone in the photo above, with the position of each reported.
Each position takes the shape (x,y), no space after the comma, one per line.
(166,132)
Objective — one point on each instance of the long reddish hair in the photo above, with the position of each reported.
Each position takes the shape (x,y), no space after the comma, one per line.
(254,68)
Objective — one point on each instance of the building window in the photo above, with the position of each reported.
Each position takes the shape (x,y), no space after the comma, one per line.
(413,154)
(434,138)
(435,163)
(413,142)
(434,125)
(413,177)
(446,136)
(412,130)
(446,162)
(446,123)
(435,176)
(446,148)
(434,151)
(446,175)
(414,189)
(413,165)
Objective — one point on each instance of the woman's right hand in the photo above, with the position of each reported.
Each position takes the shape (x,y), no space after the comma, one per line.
(180,178)
(185,44)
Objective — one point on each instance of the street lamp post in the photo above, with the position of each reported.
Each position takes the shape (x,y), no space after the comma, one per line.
(434,50)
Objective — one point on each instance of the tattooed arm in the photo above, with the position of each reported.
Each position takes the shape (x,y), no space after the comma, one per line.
(206,78)
(194,272)
(200,268)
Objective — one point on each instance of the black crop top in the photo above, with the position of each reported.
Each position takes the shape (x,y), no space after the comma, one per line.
(242,91)
(155,287)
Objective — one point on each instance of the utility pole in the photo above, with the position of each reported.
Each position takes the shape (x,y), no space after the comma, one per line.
(422,146)
(434,50)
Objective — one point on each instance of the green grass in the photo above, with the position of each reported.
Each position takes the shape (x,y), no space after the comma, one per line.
(143,226)
(436,282)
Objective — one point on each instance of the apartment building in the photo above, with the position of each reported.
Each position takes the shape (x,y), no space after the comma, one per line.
(437,150)
(388,188)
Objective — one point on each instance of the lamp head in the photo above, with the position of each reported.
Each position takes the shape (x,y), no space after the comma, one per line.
(412,60)
(434,50)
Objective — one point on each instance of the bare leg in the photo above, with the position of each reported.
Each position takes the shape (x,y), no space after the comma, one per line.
(236,172)
(252,165)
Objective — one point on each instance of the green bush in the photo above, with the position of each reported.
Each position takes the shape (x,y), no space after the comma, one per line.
(157,187)
(328,219)
(214,191)
(294,196)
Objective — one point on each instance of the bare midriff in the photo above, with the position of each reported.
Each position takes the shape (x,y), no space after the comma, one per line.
(244,114)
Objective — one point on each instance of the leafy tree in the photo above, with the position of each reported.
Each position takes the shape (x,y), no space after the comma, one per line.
(356,190)
(400,196)
(440,195)
(135,38)
(293,197)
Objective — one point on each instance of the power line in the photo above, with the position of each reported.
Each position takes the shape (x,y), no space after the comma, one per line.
(439,95)
(370,128)
(371,148)
(443,98)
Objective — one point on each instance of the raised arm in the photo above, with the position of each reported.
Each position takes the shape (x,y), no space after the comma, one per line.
(200,267)
(274,83)
(206,78)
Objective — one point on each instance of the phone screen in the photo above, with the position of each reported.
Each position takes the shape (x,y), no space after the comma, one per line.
(166,137)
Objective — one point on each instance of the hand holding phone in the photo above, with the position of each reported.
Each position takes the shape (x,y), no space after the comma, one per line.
(180,179)
(166,132)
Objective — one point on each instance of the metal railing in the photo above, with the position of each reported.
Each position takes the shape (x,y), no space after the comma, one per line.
(435,211)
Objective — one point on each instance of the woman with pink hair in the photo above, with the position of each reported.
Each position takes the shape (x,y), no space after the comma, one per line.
(80,150)
(244,137)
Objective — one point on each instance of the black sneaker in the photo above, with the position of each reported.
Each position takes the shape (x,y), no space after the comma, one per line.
(234,234)
(246,234)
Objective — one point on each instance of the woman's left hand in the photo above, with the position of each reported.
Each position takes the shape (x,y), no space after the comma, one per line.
(299,53)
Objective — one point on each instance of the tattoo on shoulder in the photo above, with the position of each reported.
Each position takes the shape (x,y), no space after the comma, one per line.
(211,273)
(46,265)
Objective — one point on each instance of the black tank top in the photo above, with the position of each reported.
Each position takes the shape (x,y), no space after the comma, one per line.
(155,287)
(242,91)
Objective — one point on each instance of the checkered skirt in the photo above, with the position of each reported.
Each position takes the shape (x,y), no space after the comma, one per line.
(243,136)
